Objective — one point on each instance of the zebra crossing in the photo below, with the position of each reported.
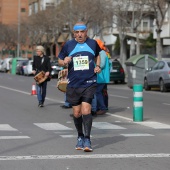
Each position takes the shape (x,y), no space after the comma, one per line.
(68,130)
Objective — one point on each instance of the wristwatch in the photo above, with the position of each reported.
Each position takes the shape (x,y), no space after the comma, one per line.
(98,66)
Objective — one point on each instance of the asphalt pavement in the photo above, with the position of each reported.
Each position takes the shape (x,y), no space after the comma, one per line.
(45,138)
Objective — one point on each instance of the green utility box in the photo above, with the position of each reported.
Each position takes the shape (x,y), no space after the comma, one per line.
(14,65)
(137,66)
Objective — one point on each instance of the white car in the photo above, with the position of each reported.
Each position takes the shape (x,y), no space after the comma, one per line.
(1,62)
(28,68)
(6,66)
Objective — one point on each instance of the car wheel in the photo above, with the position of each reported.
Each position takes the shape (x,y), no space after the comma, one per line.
(146,86)
(162,86)
(122,81)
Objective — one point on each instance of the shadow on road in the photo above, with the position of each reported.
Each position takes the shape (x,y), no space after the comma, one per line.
(104,141)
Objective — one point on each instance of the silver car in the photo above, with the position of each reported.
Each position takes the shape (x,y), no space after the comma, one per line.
(158,76)
(28,68)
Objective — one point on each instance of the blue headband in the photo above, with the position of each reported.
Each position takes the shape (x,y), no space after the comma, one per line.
(79,27)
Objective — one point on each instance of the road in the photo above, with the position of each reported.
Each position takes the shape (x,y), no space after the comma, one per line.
(44,138)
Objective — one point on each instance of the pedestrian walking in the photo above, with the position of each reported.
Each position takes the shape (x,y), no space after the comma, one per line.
(41,63)
(100,102)
(81,54)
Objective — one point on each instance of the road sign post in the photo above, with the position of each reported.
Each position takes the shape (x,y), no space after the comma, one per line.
(137,102)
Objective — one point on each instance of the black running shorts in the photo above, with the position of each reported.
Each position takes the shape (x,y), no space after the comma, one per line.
(76,96)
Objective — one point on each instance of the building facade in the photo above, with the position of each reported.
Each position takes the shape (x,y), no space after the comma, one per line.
(9,11)
(38,5)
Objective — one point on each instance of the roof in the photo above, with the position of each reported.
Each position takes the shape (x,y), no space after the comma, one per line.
(134,59)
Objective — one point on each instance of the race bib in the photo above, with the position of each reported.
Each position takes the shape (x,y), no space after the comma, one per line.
(81,63)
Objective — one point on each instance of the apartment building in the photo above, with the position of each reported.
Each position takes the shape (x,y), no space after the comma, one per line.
(9,11)
(38,5)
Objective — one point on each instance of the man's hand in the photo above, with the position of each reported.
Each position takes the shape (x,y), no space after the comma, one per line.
(67,60)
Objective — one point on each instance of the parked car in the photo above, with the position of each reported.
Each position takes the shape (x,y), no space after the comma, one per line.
(28,68)
(20,66)
(117,73)
(158,76)
(1,62)
(55,68)
(5,65)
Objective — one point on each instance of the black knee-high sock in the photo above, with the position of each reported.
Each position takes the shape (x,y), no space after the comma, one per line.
(78,124)
(87,122)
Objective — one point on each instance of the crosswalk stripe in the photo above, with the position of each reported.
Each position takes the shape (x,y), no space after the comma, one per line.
(71,136)
(52,126)
(136,134)
(6,127)
(154,125)
(14,137)
(106,125)
(68,136)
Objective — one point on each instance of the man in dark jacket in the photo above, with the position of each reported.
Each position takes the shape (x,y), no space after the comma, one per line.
(41,63)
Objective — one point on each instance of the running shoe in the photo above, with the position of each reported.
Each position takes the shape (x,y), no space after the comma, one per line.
(87,145)
(80,143)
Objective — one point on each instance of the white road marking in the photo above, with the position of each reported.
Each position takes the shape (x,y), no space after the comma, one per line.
(154,125)
(23,92)
(68,122)
(163,126)
(166,104)
(124,97)
(14,137)
(106,125)
(87,156)
(71,136)
(136,134)
(117,116)
(7,88)
(6,127)
(68,136)
(52,126)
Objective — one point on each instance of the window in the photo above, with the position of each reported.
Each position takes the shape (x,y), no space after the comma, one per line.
(168,64)
(30,9)
(36,7)
(155,67)
(145,25)
(23,10)
(161,65)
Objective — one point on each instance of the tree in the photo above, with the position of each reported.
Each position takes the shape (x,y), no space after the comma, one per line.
(8,36)
(160,8)
(129,14)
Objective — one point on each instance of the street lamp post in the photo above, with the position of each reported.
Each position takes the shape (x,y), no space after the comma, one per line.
(18,44)
(14,60)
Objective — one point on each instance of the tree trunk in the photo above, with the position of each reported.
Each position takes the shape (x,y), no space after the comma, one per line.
(123,55)
(132,47)
(138,44)
(51,52)
(159,46)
